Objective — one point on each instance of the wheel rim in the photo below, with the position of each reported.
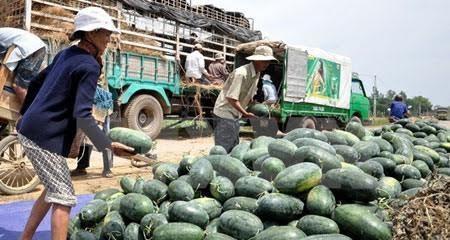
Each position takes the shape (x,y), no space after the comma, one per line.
(16,171)
(145,118)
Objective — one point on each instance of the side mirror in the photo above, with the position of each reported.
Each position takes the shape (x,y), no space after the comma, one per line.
(389,109)
(409,107)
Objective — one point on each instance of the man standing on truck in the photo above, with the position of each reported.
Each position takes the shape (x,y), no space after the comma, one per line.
(218,69)
(236,94)
(26,58)
(195,66)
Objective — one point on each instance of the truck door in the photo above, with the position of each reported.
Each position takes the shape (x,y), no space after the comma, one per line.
(359,103)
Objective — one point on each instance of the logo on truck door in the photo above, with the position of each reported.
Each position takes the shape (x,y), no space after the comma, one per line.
(323,79)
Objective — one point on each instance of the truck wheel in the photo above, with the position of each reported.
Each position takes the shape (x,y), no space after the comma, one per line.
(308,122)
(144,113)
(300,122)
(355,119)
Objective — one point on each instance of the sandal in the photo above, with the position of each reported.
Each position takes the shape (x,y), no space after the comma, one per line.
(78,172)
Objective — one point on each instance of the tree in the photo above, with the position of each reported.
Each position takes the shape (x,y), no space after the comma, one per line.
(419,105)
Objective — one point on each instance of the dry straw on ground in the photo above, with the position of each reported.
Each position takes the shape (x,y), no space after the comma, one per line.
(426,215)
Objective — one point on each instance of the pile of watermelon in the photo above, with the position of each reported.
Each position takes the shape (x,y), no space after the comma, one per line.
(307,185)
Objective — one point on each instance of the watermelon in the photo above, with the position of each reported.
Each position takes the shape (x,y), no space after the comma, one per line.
(178,231)
(218,236)
(93,212)
(132,232)
(298,178)
(351,185)
(201,174)
(218,150)
(271,167)
(138,140)
(139,185)
(180,211)
(228,167)
(239,150)
(127,184)
(105,194)
(241,203)
(356,129)
(186,164)
(373,168)
(404,171)
(280,233)
(388,188)
(349,154)
(301,142)
(240,224)
(134,206)
(366,149)
(251,186)
(253,154)
(166,172)
(113,226)
(317,155)
(334,138)
(320,201)
(360,223)
(279,207)
(315,224)
(83,235)
(259,161)
(180,190)
(283,150)
(155,190)
(150,222)
(210,205)
(221,188)
(332,236)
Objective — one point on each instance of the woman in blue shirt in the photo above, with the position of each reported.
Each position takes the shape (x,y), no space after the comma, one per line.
(59,101)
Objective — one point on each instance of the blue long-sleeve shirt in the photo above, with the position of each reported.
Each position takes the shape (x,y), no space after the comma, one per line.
(398,109)
(57,97)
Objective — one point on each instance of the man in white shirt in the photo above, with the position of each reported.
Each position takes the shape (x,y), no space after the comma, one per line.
(195,66)
(269,89)
(26,58)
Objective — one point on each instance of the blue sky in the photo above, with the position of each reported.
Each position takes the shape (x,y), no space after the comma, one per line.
(406,43)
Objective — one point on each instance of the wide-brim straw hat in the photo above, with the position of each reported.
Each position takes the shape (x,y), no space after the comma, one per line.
(262,53)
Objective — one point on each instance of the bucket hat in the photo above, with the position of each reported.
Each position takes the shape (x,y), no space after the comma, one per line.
(90,19)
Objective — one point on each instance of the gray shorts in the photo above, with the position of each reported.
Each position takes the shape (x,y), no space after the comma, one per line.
(226,132)
(53,172)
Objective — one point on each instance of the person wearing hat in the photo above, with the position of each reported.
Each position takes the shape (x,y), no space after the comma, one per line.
(25,59)
(236,94)
(269,89)
(195,66)
(218,69)
(59,101)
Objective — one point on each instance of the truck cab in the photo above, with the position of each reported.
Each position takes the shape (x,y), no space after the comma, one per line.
(359,102)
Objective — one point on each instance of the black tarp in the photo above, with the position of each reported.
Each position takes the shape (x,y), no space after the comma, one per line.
(195,20)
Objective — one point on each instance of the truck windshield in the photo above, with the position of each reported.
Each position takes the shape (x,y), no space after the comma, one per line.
(357,88)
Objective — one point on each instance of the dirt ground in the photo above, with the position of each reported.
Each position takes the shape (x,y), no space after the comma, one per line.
(169,149)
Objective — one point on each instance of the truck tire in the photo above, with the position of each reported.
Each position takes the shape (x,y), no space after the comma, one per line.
(300,122)
(356,119)
(308,122)
(144,113)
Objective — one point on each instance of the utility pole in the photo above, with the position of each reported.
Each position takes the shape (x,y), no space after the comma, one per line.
(375,93)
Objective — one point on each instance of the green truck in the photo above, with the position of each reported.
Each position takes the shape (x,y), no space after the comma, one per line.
(316,89)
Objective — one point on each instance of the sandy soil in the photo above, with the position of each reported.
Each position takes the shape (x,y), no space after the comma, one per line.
(167,150)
